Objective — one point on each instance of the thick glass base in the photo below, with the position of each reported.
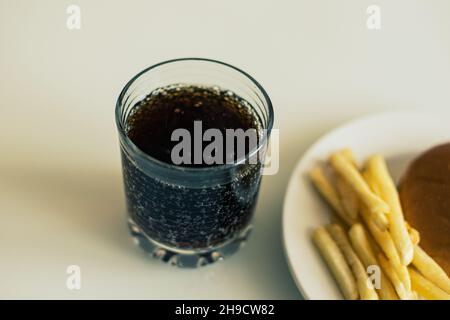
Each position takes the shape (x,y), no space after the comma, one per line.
(187,258)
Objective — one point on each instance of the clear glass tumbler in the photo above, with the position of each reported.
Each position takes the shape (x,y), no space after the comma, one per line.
(191,216)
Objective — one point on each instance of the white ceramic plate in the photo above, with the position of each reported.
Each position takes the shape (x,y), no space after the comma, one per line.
(399,137)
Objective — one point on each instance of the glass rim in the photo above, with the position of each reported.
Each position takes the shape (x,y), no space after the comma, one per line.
(212,168)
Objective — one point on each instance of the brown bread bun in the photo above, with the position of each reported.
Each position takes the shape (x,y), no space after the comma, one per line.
(425,197)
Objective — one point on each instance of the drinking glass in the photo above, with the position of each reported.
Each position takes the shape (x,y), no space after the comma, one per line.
(191,216)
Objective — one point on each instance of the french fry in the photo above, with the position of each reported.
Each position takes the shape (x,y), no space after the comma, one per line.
(372,242)
(348,154)
(392,243)
(426,288)
(413,234)
(349,199)
(370,182)
(351,175)
(336,263)
(339,236)
(327,190)
(361,244)
(415,295)
(377,168)
(430,269)
(375,188)
(384,240)
(391,273)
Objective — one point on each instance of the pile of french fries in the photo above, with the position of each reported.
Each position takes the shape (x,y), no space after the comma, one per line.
(372,252)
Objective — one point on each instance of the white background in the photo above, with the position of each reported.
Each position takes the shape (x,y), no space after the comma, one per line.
(61,197)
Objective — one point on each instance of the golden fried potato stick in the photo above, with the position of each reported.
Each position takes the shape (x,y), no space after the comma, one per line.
(390,271)
(351,175)
(370,182)
(413,234)
(335,261)
(426,288)
(328,191)
(430,269)
(378,170)
(338,234)
(415,296)
(361,244)
(349,199)
(384,240)
(348,154)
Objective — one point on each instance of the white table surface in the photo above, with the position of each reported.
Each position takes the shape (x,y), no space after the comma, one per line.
(61,198)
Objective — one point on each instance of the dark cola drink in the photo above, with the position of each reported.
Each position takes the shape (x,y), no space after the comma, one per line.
(196,211)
